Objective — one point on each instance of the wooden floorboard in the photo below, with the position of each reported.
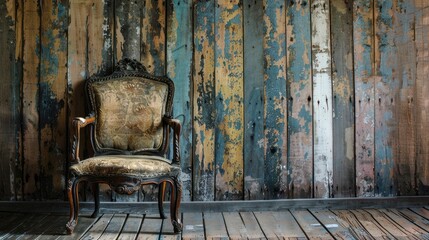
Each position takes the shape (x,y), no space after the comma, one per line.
(390,223)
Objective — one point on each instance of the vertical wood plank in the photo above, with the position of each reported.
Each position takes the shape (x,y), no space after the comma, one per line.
(204,102)
(275,105)
(127,36)
(364,96)
(422,99)
(343,101)
(153,47)
(386,92)
(153,36)
(300,106)
(89,52)
(229,100)
(30,114)
(9,100)
(179,69)
(253,98)
(52,98)
(405,170)
(128,16)
(322,99)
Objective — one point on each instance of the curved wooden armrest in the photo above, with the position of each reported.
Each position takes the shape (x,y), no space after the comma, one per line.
(79,123)
(177,127)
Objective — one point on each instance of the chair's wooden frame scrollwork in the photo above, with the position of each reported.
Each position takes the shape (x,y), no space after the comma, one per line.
(126,184)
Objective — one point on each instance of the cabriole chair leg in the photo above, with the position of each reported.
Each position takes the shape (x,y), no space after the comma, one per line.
(161,197)
(73,197)
(176,195)
(96,191)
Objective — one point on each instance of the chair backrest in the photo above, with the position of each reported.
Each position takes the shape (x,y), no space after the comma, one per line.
(129,107)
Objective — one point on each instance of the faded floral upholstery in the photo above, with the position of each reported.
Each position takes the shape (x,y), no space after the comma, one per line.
(129,113)
(126,165)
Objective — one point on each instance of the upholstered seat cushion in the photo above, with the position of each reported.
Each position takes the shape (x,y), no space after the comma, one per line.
(126,165)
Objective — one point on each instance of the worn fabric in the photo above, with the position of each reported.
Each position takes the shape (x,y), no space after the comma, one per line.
(129,113)
(125,165)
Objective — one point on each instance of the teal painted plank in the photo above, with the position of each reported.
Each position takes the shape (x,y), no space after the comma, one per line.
(300,106)
(343,101)
(179,69)
(204,102)
(229,100)
(364,96)
(386,92)
(253,99)
(275,107)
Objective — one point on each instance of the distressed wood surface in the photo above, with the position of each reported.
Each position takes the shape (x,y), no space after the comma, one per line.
(204,115)
(343,98)
(254,147)
(89,53)
(268,92)
(300,106)
(363,37)
(9,100)
(153,45)
(179,69)
(229,100)
(422,98)
(275,104)
(30,116)
(386,97)
(127,37)
(128,17)
(52,98)
(405,174)
(322,99)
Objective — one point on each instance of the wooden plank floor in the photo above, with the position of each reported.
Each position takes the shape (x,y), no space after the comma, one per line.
(404,223)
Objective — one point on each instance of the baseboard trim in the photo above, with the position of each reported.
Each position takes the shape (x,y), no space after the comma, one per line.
(219,206)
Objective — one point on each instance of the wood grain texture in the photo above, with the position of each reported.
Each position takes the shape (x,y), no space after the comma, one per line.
(127,37)
(229,100)
(343,98)
(300,106)
(128,17)
(310,225)
(254,150)
(422,99)
(364,96)
(9,100)
(322,99)
(179,69)
(89,52)
(406,72)
(30,115)
(275,104)
(204,115)
(154,36)
(386,98)
(52,98)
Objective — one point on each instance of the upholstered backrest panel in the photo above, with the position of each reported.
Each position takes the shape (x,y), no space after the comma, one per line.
(129,113)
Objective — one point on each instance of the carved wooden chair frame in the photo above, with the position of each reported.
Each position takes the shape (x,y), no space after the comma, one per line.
(126,184)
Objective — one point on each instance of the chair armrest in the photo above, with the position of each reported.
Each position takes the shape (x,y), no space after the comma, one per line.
(79,123)
(177,127)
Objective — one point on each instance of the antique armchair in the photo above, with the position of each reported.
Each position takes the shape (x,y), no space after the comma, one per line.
(130,125)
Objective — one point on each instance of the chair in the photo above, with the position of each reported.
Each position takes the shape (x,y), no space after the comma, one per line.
(130,124)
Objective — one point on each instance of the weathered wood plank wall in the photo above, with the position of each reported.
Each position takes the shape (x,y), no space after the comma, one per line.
(278,98)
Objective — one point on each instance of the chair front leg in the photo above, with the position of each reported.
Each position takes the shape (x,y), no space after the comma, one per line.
(96,191)
(161,198)
(176,196)
(72,192)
